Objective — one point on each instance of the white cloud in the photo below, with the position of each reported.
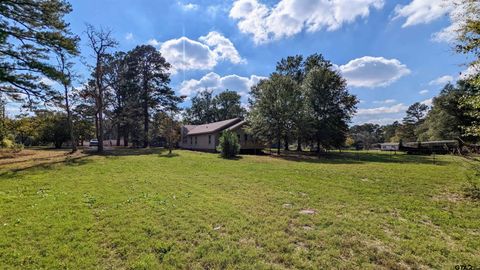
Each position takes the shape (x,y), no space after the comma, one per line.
(222,47)
(373,71)
(442,80)
(129,36)
(422,11)
(204,54)
(423,92)
(48,81)
(386,101)
(290,17)
(154,42)
(215,82)
(397,108)
(428,102)
(376,120)
(187,6)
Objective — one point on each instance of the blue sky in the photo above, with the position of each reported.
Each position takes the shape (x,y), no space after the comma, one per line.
(393,53)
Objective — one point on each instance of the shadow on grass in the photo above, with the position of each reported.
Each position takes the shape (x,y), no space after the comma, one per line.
(359,158)
(168,155)
(119,152)
(48,165)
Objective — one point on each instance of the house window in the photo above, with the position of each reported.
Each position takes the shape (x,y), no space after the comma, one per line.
(245,137)
(209,139)
(195,140)
(191,140)
(238,135)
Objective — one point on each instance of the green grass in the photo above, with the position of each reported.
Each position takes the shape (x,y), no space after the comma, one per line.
(196,211)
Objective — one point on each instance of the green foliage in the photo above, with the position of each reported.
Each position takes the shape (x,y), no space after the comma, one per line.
(364,136)
(273,108)
(6,143)
(228,145)
(30,31)
(330,104)
(382,211)
(207,108)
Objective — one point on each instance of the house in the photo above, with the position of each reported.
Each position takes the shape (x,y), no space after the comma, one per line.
(206,137)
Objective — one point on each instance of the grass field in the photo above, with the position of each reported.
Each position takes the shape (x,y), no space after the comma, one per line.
(148,210)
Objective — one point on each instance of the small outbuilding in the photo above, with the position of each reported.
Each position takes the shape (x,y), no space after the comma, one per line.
(389,146)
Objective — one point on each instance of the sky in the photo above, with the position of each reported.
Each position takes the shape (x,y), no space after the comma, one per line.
(392,53)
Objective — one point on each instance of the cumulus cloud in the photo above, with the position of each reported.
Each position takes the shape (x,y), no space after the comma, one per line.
(215,82)
(441,80)
(397,108)
(187,54)
(380,115)
(222,47)
(290,17)
(373,72)
(426,11)
(154,42)
(422,11)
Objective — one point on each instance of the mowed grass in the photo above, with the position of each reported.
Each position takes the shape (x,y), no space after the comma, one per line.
(148,210)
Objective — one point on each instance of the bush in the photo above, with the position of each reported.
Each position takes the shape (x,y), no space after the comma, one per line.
(6,143)
(17,147)
(228,145)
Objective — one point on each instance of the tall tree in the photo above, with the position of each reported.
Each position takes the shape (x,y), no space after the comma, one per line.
(100,42)
(65,68)
(227,105)
(152,78)
(297,68)
(272,108)
(30,32)
(331,106)
(202,110)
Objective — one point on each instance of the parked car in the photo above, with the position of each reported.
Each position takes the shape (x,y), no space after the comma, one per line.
(93,142)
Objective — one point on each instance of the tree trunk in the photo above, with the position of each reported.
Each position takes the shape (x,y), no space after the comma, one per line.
(286,143)
(69,119)
(118,134)
(279,141)
(299,144)
(98,80)
(125,136)
(318,147)
(145,114)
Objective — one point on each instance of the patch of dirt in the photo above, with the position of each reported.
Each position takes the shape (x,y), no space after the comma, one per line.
(30,158)
(308,211)
(287,205)
(449,197)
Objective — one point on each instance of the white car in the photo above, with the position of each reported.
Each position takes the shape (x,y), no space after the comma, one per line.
(93,142)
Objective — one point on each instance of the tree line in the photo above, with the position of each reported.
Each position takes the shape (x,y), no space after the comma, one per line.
(304,102)
(450,117)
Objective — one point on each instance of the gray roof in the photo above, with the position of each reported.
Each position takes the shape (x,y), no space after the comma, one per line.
(237,125)
(211,127)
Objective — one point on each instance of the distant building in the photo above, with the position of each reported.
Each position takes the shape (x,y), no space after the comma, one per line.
(206,137)
(389,146)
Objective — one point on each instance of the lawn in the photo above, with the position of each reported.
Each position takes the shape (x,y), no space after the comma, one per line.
(148,210)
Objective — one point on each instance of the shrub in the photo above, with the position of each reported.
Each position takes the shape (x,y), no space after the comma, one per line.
(228,145)
(17,147)
(6,143)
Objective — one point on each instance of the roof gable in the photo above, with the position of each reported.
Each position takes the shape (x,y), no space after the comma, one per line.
(211,127)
